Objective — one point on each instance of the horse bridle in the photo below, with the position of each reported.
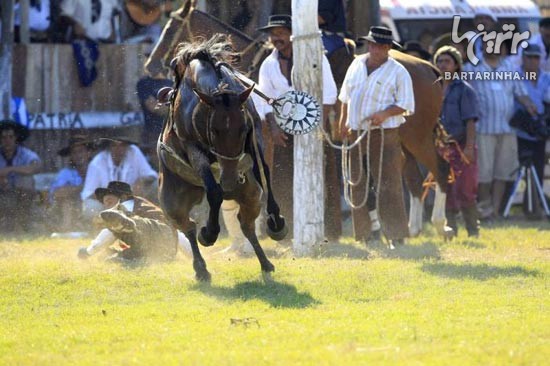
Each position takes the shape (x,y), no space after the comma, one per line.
(209,135)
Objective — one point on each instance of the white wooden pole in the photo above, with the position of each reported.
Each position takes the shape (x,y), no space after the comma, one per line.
(24,31)
(308,188)
(6,46)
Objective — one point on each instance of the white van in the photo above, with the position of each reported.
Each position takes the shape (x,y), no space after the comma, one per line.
(425,20)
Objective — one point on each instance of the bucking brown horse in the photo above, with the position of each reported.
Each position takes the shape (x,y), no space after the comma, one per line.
(211,144)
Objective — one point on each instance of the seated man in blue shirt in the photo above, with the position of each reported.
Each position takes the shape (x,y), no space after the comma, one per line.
(65,190)
(17,166)
(332,21)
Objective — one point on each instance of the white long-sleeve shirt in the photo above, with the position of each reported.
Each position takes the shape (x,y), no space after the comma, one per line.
(273,83)
(102,170)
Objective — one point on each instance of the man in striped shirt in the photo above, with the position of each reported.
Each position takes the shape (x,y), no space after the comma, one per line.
(377,92)
(497,144)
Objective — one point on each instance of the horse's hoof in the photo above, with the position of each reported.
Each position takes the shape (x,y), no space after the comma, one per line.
(449,233)
(206,239)
(203,276)
(276,232)
(268,267)
(266,276)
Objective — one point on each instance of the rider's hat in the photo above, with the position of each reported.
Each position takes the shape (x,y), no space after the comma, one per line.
(278,20)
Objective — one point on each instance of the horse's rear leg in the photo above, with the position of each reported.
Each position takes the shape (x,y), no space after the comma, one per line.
(439,219)
(426,153)
(276,226)
(413,178)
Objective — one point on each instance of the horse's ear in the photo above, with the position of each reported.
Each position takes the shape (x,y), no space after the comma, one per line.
(204,98)
(178,67)
(243,97)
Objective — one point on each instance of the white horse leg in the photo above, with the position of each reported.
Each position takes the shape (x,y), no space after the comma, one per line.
(416,214)
(438,215)
(230,210)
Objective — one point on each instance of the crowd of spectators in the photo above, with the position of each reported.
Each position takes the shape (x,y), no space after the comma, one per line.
(106,21)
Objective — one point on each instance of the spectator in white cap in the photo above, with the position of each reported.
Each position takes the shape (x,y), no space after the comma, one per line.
(542,40)
(483,17)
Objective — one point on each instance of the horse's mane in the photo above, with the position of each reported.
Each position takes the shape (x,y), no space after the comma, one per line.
(219,48)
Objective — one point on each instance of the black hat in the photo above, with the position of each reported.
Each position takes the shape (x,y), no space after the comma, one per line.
(75,141)
(21,132)
(116,188)
(116,137)
(415,46)
(544,22)
(279,20)
(532,49)
(378,34)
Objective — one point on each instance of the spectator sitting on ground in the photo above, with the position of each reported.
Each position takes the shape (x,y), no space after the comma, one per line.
(90,19)
(17,166)
(121,160)
(65,190)
(138,223)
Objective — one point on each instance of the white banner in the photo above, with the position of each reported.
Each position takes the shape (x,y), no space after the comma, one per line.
(72,120)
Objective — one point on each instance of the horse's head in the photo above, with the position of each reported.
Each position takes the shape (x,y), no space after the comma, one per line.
(228,123)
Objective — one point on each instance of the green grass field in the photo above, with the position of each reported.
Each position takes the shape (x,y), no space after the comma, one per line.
(482,301)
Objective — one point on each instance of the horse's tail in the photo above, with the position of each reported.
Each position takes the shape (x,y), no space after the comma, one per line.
(437,74)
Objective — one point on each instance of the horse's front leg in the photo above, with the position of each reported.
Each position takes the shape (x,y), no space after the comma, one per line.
(214,194)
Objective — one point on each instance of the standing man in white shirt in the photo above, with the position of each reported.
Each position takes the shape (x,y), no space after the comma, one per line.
(377,90)
(121,161)
(275,79)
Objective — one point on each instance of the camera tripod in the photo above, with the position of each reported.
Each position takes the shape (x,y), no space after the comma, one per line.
(527,171)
